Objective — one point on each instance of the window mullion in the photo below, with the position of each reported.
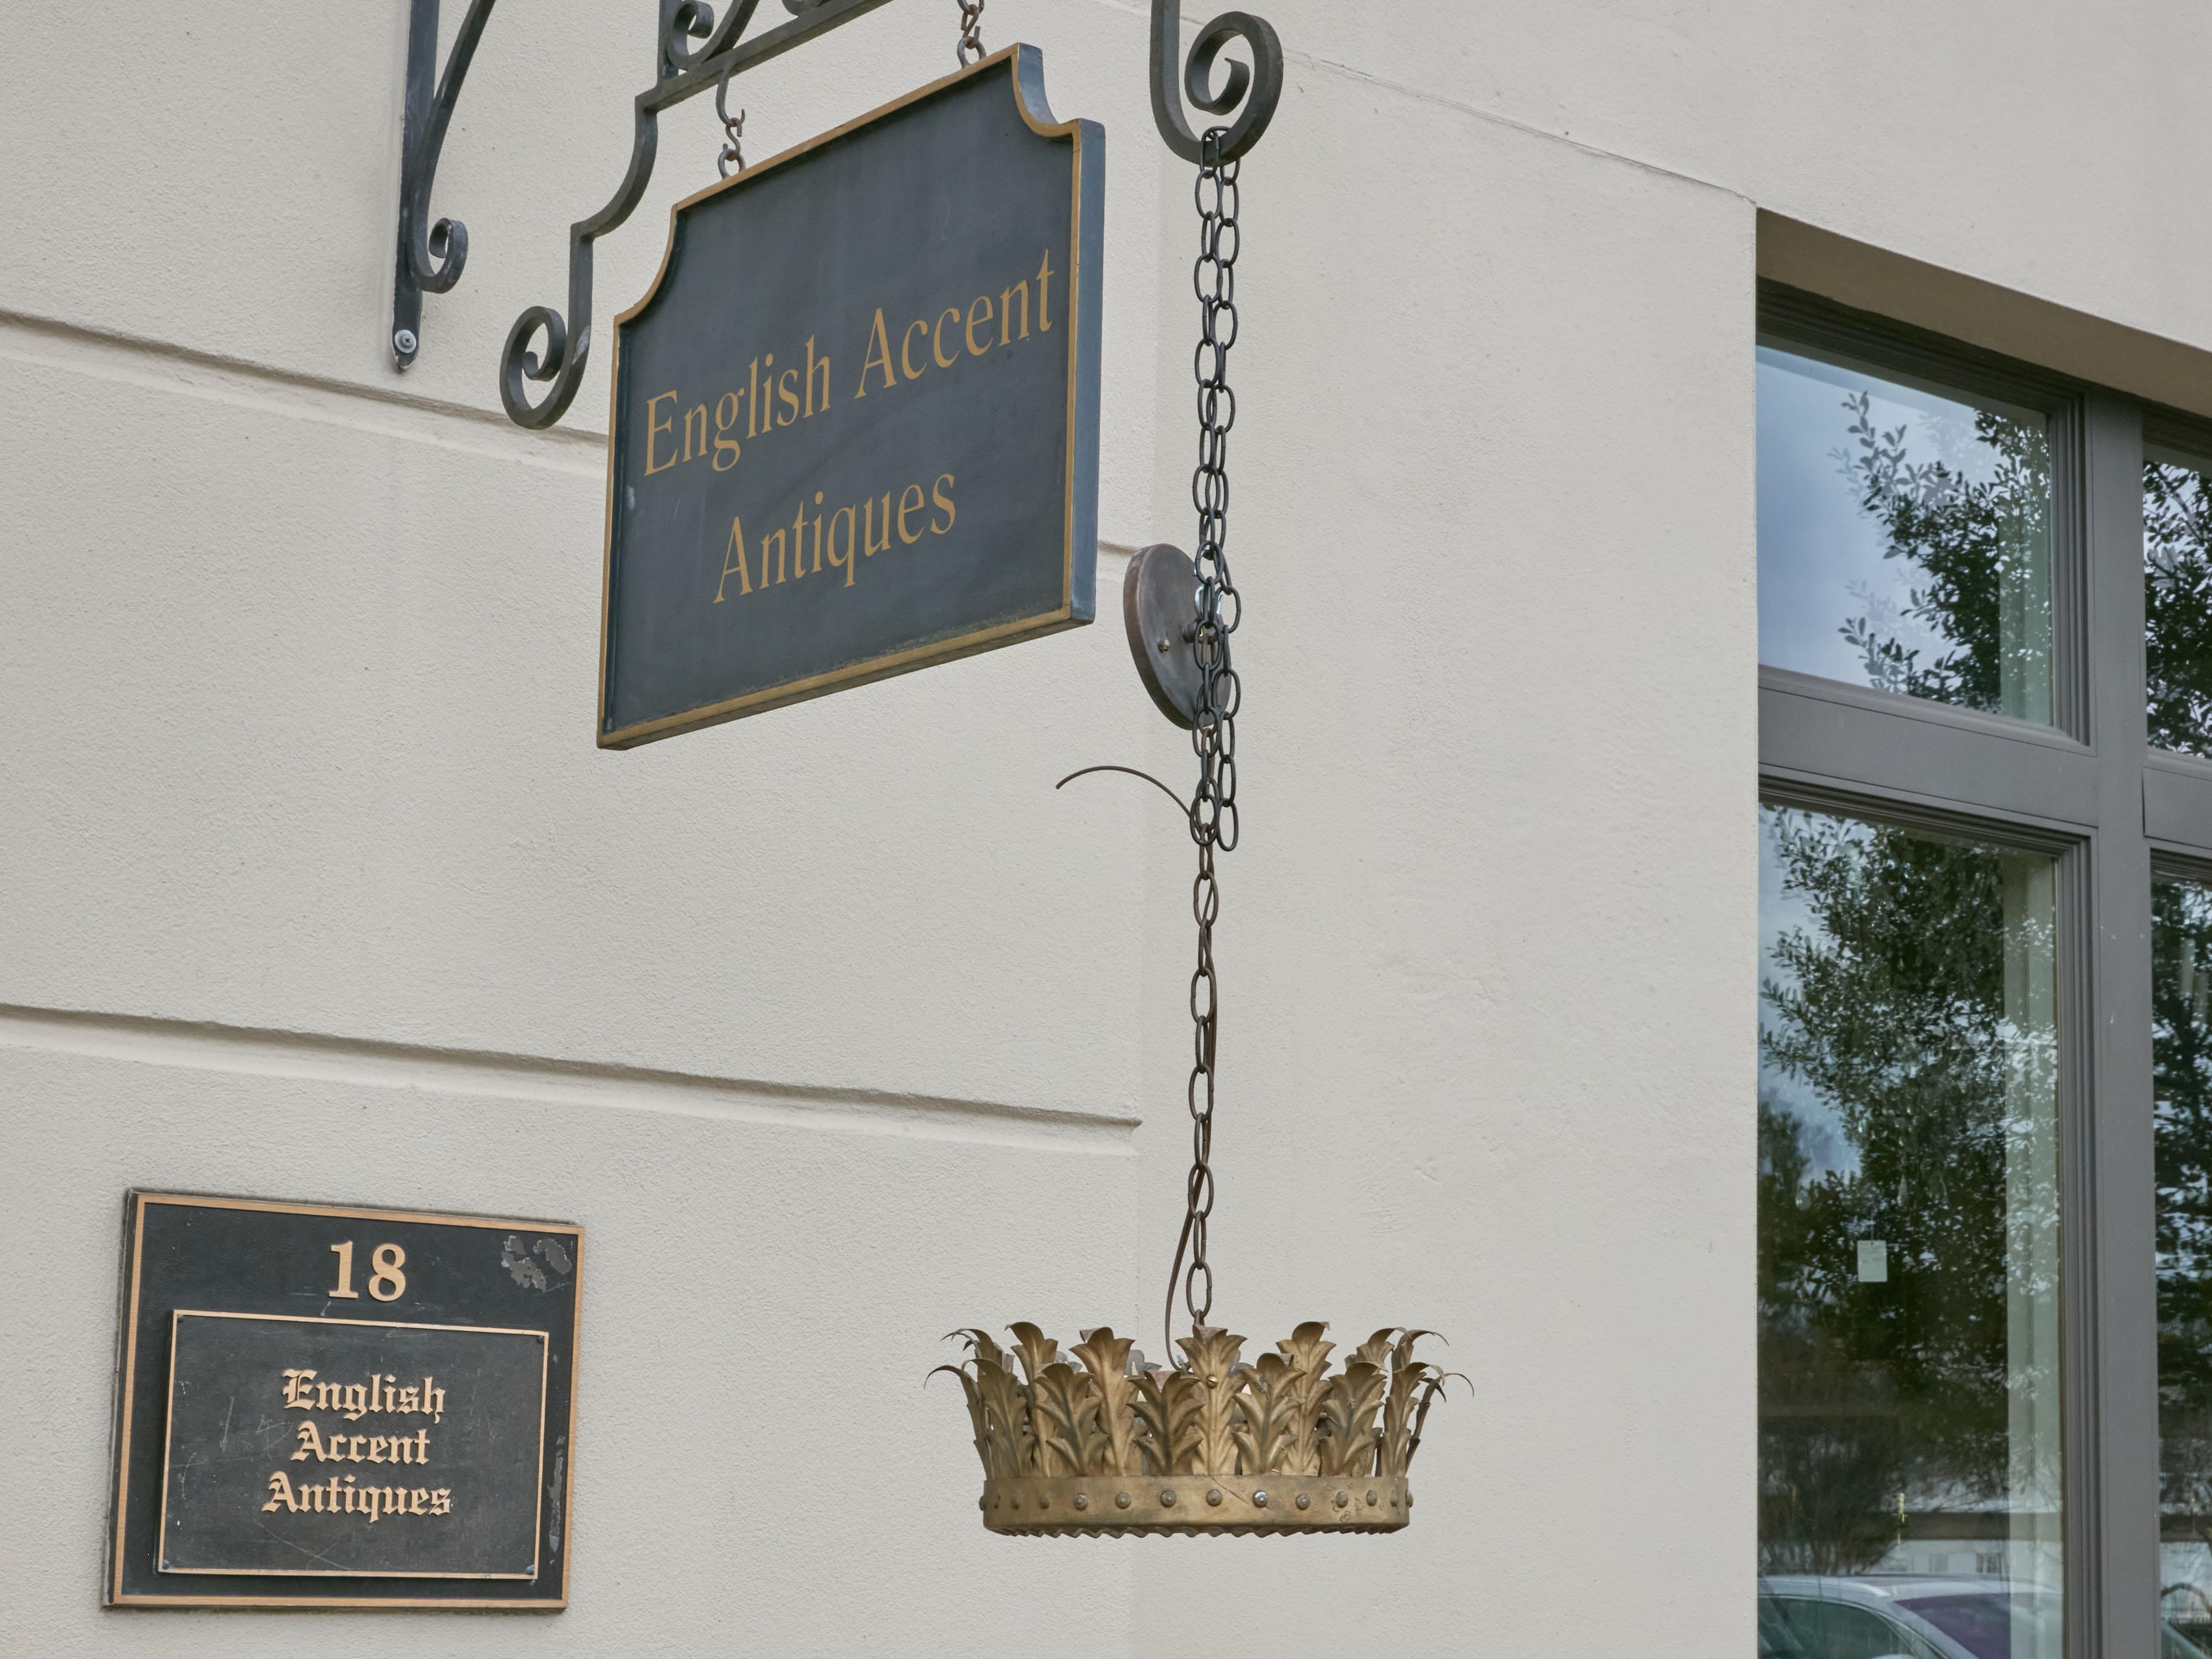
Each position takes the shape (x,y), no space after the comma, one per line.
(1893,746)
(2108,1181)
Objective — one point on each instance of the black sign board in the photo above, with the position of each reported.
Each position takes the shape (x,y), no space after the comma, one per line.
(447,1399)
(324,1406)
(855,421)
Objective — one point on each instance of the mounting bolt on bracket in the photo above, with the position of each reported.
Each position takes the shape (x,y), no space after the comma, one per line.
(430,255)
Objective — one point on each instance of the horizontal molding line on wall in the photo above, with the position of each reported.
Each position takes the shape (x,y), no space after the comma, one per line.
(183,374)
(361,1063)
(178,371)
(1343,69)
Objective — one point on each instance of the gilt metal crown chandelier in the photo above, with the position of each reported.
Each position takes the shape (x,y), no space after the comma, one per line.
(1095,1440)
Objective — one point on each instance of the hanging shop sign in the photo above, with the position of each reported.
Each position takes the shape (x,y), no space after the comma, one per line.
(855,432)
(855,420)
(318,1406)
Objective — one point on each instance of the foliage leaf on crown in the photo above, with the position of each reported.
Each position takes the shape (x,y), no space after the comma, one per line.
(1283,1412)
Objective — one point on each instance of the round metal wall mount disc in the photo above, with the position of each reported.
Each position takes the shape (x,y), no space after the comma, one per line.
(1158,602)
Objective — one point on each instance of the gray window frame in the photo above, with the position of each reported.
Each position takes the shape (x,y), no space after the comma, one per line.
(2090,790)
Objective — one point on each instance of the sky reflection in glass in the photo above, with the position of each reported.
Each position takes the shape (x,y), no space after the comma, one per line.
(1903,537)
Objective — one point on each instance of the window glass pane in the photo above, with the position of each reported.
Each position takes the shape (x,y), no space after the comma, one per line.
(1836,1629)
(2181,1050)
(1903,536)
(2177,601)
(1908,1243)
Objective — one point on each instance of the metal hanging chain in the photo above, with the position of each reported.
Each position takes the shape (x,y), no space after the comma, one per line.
(1218,609)
(971,40)
(736,129)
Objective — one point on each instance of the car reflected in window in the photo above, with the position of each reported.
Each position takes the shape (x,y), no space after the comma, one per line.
(1900,1616)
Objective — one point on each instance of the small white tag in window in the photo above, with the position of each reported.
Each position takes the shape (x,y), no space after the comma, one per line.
(1874,1261)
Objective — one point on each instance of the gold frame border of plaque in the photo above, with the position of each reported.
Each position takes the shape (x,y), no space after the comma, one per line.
(265,1417)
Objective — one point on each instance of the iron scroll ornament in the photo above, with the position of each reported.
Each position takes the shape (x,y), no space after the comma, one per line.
(431,256)
(1258,90)
(685,72)
(695,51)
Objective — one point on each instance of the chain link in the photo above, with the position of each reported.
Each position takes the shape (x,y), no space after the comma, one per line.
(1213,822)
(1220,608)
(971,39)
(736,129)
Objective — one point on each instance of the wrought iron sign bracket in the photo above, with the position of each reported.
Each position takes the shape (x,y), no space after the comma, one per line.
(695,52)
(1259,89)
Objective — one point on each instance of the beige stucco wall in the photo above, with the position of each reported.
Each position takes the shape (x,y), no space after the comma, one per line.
(833,1025)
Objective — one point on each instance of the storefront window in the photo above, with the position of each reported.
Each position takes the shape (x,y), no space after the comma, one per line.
(2177,601)
(1903,536)
(2181,1004)
(1909,1482)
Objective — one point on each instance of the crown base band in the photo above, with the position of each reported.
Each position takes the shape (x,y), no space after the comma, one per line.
(1068,1506)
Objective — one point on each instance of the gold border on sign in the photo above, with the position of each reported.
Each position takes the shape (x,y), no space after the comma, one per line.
(876,668)
(129,1393)
(537,1514)
(138,1201)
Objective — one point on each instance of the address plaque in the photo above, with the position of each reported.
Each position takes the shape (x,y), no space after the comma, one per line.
(319,1406)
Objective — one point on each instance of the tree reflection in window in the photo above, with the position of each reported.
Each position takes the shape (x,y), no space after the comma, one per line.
(1908,1395)
(2178,603)
(2181,1051)
(1921,517)
(1980,551)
